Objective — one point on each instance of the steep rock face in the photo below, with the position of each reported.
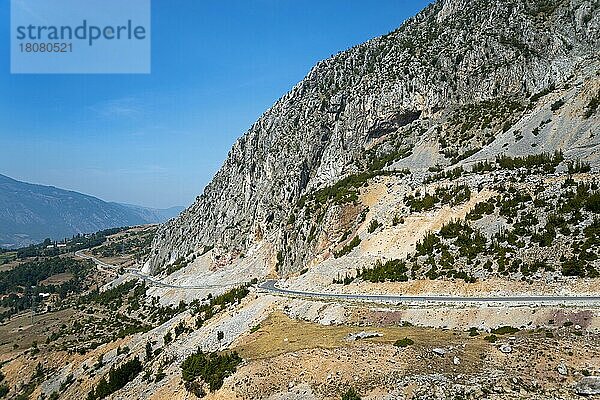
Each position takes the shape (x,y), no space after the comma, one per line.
(407,83)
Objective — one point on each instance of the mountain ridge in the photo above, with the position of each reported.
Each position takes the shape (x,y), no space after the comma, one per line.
(30,213)
(413,83)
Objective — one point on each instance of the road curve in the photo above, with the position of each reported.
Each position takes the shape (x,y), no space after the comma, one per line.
(112,269)
(102,266)
(271,287)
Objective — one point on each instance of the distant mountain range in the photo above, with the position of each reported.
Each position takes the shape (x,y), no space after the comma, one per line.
(30,213)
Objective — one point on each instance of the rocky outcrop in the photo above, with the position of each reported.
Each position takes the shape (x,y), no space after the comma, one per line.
(388,93)
(588,386)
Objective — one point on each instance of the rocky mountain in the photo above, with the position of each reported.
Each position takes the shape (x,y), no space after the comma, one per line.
(418,218)
(30,213)
(444,89)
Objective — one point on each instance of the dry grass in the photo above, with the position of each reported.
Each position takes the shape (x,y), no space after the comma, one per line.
(20,331)
(57,279)
(279,334)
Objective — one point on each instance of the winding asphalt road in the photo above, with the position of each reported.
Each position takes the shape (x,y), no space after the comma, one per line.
(271,287)
(102,266)
(113,269)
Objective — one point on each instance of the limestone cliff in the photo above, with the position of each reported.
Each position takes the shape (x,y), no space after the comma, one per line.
(376,102)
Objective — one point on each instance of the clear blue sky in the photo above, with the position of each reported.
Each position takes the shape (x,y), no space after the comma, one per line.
(157,140)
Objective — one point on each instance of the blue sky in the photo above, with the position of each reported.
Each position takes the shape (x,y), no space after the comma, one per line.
(157,139)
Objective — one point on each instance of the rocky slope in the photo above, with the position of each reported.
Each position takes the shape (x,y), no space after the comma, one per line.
(457,156)
(31,213)
(450,83)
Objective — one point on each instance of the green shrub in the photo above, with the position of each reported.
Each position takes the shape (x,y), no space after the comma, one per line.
(557,104)
(592,203)
(343,191)
(574,267)
(505,330)
(454,228)
(491,338)
(397,220)
(578,166)
(350,395)
(541,94)
(393,270)
(205,311)
(592,106)
(373,226)
(547,162)
(427,244)
(481,209)
(117,379)
(348,248)
(483,166)
(213,368)
(404,342)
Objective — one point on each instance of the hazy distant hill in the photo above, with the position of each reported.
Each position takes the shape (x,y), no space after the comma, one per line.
(30,213)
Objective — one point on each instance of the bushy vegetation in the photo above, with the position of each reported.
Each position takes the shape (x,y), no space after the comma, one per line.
(485,114)
(544,161)
(117,379)
(373,226)
(350,394)
(592,106)
(458,248)
(136,243)
(491,338)
(346,280)
(404,342)
(7,256)
(347,189)
(557,105)
(534,98)
(393,271)
(180,263)
(212,368)
(578,166)
(77,242)
(343,191)
(450,174)
(379,162)
(505,330)
(482,166)
(481,209)
(32,273)
(115,296)
(348,247)
(23,283)
(452,195)
(475,124)
(207,309)
(128,313)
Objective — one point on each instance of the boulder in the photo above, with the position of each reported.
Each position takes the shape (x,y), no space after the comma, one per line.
(440,352)
(588,386)
(562,369)
(506,349)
